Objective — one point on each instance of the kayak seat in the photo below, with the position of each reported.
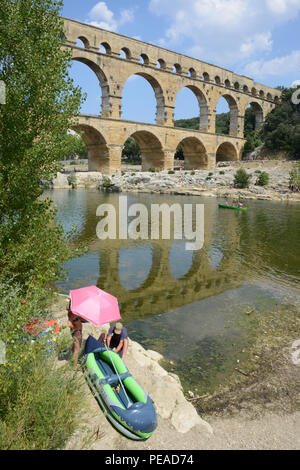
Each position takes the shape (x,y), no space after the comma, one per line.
(113,380)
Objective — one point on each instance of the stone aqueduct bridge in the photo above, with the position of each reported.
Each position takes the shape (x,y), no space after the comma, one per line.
(114,58)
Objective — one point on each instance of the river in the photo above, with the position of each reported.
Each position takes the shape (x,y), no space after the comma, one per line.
(189,305)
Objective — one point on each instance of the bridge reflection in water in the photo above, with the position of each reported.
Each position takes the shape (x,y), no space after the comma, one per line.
(151,277)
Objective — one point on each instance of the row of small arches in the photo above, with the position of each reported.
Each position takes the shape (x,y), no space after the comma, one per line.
(125,53)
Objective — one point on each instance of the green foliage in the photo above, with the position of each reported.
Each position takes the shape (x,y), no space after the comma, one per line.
(171,172)
(152,170)
(263,179)
(223,123)
(107,183)
(41,101)
(38,403)
(295,176)
(242,178)
(74,145)
(72,179)
(193,173)
(222,172)
(179,153)
(281,130)
(131,150)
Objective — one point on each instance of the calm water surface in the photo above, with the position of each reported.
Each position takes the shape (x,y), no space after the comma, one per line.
(187,305)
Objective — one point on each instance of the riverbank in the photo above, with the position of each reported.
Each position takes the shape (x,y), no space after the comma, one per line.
(259,409)
(210,183)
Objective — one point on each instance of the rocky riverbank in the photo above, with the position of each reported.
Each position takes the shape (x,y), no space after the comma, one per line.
(260,410)
(216,183)
(177,417)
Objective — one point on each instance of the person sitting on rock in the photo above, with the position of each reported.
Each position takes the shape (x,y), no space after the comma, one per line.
(117,339)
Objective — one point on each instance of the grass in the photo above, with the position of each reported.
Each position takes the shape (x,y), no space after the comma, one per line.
(44,407)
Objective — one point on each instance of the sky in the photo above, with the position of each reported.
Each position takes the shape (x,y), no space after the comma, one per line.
(257,38)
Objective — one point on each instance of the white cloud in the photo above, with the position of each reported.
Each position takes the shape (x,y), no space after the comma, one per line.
(295,84)
(260,42)
(102,17)
(223,31)
(277,67)
(127,16)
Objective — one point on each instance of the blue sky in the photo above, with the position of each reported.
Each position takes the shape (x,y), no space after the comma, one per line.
(257,38)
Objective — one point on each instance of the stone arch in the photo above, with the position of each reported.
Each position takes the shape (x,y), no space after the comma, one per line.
(159,96)
(152,153)
(254,91)
(227,83)
(245,89)
(227,152)
(177,68)
(85,42)
(161,64)
(259,114)
(234,114)
(98,151)
(106,48)
(217,80)
(206,77)
(195,154)
(203,106)
(127,53)
(262,94)
(192,73)
(144,59)
(269,97)
(236,86)
(105,106)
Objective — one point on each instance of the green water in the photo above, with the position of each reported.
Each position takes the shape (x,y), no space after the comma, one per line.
(188,305)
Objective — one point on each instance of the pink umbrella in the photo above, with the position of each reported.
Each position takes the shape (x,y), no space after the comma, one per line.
(95,305)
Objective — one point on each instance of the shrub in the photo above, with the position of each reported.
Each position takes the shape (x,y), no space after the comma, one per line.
(222,172)
(152,170)
(295,176)
(210,173)
(40,404)
(72,179)
(257,171)
(263,179)
(208,178)
(193,173)
(106,183)
(171,172)
(242,178)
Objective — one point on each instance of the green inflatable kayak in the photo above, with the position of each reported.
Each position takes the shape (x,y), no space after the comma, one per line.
(122,399)
(235,208)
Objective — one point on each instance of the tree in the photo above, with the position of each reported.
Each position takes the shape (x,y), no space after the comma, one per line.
(74,146)
(131,150)
(41,102)
(242,178)
(281,130)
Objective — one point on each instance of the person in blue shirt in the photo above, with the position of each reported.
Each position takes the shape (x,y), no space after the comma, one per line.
(117,339)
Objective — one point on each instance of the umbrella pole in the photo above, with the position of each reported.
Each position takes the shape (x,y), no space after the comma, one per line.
(117,373)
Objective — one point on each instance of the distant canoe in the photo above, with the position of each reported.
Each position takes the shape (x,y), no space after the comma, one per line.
(235,208)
